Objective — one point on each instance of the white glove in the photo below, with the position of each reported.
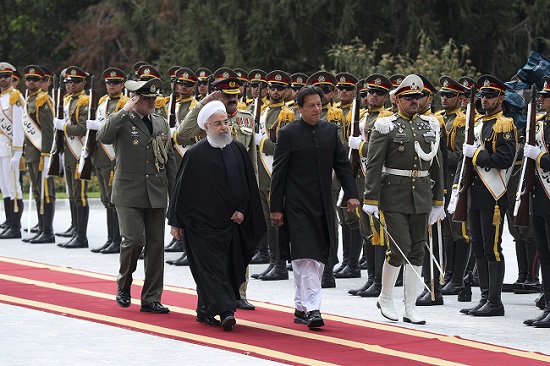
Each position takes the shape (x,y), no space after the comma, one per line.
(59,124)
(370,210)
(531,151)
(468,150)
(452,202)
(46,166)
(354,142)
(15,159)
(93,124)
(437,213)
(173,131)
(258,138)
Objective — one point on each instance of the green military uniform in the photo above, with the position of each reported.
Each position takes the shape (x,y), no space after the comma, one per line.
(143,180)
(40,110)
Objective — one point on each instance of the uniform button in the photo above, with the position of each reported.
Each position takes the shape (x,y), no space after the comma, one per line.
(415,158)
(413,187)
(414,166)
(146,175)
(147,146)
(147,161)
(414,180)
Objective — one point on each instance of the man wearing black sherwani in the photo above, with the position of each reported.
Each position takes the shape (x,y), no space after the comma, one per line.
(307,152)
(216,205)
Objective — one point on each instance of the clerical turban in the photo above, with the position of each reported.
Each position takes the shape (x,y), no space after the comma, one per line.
(208,110)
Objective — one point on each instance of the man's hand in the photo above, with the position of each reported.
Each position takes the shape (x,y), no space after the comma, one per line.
(531,151)
(371,210)
(46,167)
(15,160)
(452,202)
(354,142)
(277,218)
(93,124)
(437,213)
(353,203)
(258,139)
(469,150)
(59,124)
(177,232)
(210,97)
(237,217)
(131,103)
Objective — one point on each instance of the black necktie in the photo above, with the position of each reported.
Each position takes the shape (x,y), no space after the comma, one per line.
(148,123)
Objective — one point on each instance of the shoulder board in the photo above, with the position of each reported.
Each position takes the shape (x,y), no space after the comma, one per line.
(460,120)
(160,103)
(285,115)
(240,105)
(41,99)
(335,114)
(385,124)
(362,112)
(434,122)
(121,102)
(439,113)
(83,100)
(540,116)
(102,99)
(193,103)
(245,113)
(385,113)
(15,96)
(503,124)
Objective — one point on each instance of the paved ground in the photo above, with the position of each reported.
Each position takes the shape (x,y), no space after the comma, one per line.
(38,338)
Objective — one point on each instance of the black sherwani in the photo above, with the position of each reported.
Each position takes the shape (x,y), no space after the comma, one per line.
(205,197)
(301,188)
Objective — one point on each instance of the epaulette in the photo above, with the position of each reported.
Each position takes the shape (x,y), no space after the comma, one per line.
(240,105)
(285,115)
(434,122)
(385,124)
(503,124)
(102,99)
(121,102)
(440,119)
(290,104)
(263,107)
(385,113)
(540,116)
(41,99)
(15,96)
(247,112)
(439,113)
(83,100)
(335,114)
(160,103)
(460,120)
(193,103)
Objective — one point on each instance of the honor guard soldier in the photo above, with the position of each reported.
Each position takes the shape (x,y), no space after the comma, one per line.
(274,117)
(47,80)
(16,78)
(326,82)
(396,80)
(374,93)
(540,199)
(404,190)
(244,100)
(39,134)
(185,85)
(349,221)
(241,125)
(11,149)
(468,83)
(204,76)
(172,73)
(256,78)
(143,180)
(104,154)
(492,153)
(147,72)
(456,234)
(136,67)
(73,124)
(297,82)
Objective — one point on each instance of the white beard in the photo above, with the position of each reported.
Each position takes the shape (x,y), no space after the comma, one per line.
(220,140)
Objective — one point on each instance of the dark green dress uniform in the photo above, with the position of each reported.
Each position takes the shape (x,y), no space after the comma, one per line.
(40,110)
(143,180)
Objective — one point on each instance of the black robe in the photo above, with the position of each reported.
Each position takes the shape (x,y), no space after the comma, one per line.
(203,202)
(301,188)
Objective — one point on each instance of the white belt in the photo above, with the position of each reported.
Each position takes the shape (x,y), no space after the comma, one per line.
(406,173)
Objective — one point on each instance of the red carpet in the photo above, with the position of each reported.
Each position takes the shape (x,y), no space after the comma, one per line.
(268,332)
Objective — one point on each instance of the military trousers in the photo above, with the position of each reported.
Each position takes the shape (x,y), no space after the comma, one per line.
(486,237)
(104,180)
(409,232)
(78,189)
(36,180)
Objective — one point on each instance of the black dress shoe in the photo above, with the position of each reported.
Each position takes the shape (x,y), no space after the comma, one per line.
(228,322)
(543,323)
(98,250)
(362,288)
(79,243)
(450,289)
(208,320)
(111,249)
(426,299)
(43,239)
(154,307)
(243,304)
(467,310)
(348,272)
(314,319)
(176,247)
(300,317)
(123,298)
(489,309)
(373,291)
(181,261)
(536,319)
(328,283)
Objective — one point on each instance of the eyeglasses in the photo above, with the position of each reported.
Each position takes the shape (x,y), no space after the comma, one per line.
(425,95)
(327,89)
(488,95)
(277,87)
(225,122)
(33,78)
(254,85)
(113,82)
(187,84)
(380,93)
(346,87)
(147,98)
(5,76)
(448,95)
(74,81)
(202,82)
(411,97)
(544,95)
(297,87)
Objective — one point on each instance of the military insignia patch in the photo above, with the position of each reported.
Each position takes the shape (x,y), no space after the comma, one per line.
(508,136)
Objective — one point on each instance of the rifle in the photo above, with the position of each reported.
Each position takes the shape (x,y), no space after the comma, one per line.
(526,180)
(467,167)
(172,110)
(258,109)
(352,153)
(85,163)
(243,98)
(54,167)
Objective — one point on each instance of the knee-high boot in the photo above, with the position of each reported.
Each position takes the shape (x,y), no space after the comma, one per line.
(81,240)
(114,247)
(272,245)
(385,300)
(109,232)
(346,246)
(352,270)
(376,286)
(461,257)
(14,231)
(411,282)
(47,235)
(493,306)
(262,255)
(71,231)
(6,224)
(449,259)
(279,270)
(521,257)
(483,274)
(37,229)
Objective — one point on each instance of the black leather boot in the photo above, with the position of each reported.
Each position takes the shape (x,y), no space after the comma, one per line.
(114,247)
(462,255)
(109,233)
(36,229)
(14,231)
(544,322)
(493,306)
(425,298)
(533,263)
(47,236)
(352,269)
(272,245)
(262,255)
(483,275)
(7,210)
(81,240)
(279,271)
(71,231)
(346,247)
(521,257)
(327,279)
(449,259)
(376,287)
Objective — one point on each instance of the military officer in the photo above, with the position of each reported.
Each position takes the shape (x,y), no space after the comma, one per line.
(396,80)
(492,153)
(38,143)
(144,178)
(204,76)
(11,150)
(73,124)
(244,100)
(47,80)
(297,82)
(104,155)
(375,93)
(256,78)
(146,72)
(136,67)
(404,190)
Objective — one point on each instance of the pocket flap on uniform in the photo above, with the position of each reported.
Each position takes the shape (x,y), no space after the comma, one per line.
(391,179)
(401,140)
